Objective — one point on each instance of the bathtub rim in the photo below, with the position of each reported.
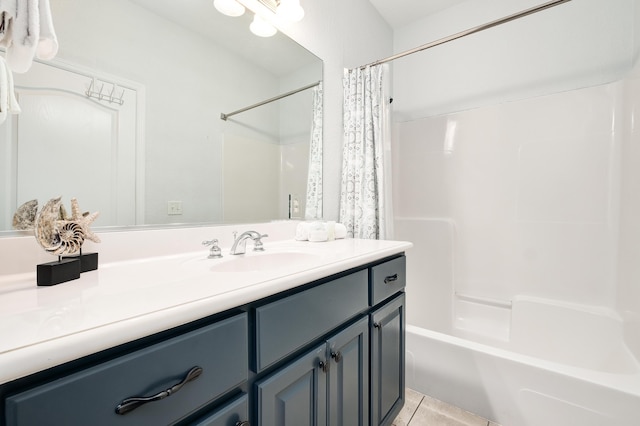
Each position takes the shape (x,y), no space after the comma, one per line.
(626,383)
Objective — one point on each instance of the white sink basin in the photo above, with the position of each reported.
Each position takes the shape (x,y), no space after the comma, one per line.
(254,261)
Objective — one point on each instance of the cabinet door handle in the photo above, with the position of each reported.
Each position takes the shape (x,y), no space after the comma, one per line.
(337,356)
(245,423)
(391,278)
(377,325)
(324,366)
(130,404)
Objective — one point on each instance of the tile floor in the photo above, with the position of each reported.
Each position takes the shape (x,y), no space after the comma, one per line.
(422,410)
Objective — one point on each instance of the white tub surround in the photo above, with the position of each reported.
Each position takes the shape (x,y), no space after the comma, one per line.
(513,388)
(41,327)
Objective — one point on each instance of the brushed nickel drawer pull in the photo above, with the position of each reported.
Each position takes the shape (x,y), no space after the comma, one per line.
(130,404)
(391,278)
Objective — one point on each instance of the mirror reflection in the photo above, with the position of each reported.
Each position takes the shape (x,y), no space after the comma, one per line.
(127,118)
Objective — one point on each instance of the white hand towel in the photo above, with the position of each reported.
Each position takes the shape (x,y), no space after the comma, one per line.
(48,42)
(4,94)
(8,102)
(25,34)
(14,108)
(8,10)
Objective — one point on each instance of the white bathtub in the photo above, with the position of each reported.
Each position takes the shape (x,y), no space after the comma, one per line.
(553,364)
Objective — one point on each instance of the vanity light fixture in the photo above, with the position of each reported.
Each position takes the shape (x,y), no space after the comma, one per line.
(261,27)
(290,10)
(229,7)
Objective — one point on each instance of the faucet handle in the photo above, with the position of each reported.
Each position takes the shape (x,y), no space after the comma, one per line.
(257,242)
(214,252)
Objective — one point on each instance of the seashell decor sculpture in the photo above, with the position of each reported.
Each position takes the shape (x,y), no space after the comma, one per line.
(61,234)
(25,217)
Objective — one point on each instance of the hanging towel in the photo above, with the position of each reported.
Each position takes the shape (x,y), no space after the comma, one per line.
(8,10)
(28,33)
(25,33)
(48,42)
(8,101)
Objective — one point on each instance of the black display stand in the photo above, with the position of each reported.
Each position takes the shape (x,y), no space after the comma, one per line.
(61,271)
(88,261)
(67,268)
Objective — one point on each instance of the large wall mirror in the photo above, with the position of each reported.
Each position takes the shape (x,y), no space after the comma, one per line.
(127,118)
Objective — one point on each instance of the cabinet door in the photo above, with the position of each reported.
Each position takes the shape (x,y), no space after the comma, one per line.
(387,361)
(297,394)
(349,376)
(233,413)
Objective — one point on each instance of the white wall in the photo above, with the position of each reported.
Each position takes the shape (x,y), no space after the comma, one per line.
(510,147)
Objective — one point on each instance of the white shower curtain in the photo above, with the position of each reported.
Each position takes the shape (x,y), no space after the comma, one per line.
(313,207)
(365,201)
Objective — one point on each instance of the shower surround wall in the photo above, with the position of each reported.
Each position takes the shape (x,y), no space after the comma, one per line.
(521,198)
(516,177)
(520,192)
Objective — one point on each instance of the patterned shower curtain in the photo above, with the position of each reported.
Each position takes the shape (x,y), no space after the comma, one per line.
(313,206)
(365,201)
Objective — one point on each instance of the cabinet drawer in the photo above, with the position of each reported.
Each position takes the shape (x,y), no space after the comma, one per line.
(231,414)
(387,279)
(91,396)
(288,324)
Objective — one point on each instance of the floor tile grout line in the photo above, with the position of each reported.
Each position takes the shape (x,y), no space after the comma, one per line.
(415,411)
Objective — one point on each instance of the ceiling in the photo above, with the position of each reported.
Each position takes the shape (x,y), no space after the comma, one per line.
(399,13)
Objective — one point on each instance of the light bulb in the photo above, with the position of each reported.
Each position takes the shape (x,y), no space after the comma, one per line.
(262,28)
(290,10)
(229,7)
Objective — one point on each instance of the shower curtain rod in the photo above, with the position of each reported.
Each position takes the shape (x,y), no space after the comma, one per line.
(224,116)
(470,31)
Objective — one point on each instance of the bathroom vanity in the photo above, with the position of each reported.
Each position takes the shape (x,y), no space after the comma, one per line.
(300,334)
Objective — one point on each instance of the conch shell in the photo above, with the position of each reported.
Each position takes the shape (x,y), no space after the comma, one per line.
(60,234)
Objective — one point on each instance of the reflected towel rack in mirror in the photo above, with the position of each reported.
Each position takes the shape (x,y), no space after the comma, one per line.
(99,95)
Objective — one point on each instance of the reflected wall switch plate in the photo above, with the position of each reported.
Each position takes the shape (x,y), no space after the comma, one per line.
(174,208)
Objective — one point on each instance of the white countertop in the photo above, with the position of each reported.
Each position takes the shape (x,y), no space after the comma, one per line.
(41,327)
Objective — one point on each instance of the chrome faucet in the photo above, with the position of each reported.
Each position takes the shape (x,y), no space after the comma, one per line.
(240,243)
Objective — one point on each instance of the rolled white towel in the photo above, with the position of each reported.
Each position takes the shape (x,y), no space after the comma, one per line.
(320,231)
(318,235)
(340,231)
(302,231)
